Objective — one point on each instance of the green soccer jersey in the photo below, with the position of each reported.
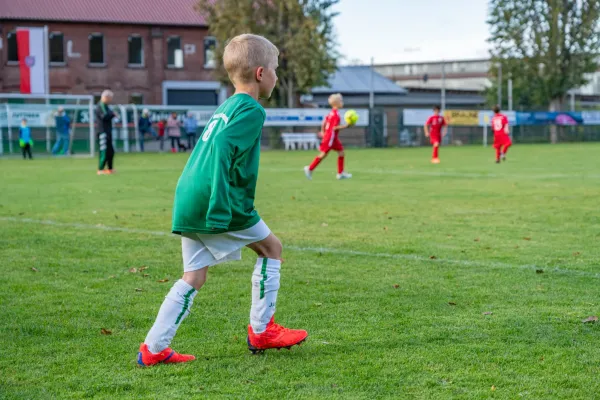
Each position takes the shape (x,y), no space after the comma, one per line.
(215,192)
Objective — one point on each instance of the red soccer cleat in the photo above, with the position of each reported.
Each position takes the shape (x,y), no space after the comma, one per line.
(435,160)
(167,356)
(275,337)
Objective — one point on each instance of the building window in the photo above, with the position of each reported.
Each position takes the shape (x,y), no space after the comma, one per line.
(136,98)
(174,53)
(136,51)
(96,48)
(57,48)
(210,43)
(11,46)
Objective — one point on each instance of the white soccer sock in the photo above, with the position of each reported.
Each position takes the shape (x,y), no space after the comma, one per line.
(174,309)
(265,283)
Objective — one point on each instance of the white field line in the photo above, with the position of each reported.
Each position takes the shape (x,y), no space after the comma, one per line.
(372,171)
(324,250)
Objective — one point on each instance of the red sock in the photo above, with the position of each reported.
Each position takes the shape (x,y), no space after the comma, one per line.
(506,146)
(340,165)
(497,153)
(436,151)
(314,164)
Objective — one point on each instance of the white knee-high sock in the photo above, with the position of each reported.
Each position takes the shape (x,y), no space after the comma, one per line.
(265,284)
(174,309)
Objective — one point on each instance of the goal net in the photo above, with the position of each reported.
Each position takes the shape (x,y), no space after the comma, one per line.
(40,112)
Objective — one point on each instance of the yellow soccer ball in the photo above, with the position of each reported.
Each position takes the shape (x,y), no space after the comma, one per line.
(351,117)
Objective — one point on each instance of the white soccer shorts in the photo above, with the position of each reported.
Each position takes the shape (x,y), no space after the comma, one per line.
(202,250)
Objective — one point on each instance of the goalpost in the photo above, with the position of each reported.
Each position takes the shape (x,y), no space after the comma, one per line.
(40,112)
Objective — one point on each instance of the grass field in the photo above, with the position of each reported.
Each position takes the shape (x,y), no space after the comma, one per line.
(463,280)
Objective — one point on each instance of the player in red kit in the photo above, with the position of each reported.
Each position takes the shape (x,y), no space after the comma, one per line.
(330,130)
(435,129)
(501,134)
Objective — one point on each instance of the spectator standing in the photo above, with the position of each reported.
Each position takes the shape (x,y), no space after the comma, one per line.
(162,126)
(63,132)
(191,127)
(174,132)
(145,126)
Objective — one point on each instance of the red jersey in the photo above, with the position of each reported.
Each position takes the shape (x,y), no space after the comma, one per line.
(331,121)
(435,123)
(161,128)
(500,125)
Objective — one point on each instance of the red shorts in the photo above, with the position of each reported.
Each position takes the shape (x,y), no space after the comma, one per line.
(435,139)
(503,140)
(335,145)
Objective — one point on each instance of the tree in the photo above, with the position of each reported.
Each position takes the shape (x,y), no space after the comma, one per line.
(548,45)
(301,29)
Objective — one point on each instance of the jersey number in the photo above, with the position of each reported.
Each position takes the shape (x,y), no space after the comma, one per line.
(209,130)
(498,125)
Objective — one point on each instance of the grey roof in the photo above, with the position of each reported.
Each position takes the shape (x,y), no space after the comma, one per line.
(357,80)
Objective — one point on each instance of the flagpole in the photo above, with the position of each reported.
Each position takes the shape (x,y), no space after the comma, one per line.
(47,60)
(47,84)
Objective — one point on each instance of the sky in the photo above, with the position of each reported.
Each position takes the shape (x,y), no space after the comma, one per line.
(395,31)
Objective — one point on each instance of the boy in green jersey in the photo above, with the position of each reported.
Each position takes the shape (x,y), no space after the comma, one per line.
(214,208)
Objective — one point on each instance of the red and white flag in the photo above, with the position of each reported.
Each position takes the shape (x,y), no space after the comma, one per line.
(32,60)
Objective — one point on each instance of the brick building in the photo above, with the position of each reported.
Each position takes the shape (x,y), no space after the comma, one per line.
(146,51)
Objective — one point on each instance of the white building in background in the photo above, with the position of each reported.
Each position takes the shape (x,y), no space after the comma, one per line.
(466,76)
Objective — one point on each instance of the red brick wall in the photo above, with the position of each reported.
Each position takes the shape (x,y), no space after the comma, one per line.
(77,77)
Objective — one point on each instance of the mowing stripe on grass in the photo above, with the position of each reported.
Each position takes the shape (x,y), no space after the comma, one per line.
(324,250)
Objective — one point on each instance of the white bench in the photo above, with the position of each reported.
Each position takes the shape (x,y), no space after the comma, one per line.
(293,141)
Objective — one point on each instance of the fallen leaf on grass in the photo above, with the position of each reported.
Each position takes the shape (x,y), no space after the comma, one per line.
(591,319)
(146,275)
(111,277)
(318,304)
(451,303)
(105,331)
(432,257)
(539,271)
(133,270)
(293,197)
(576,254)
(139,290)
(324,224)
(526,238)
(385,228)
(396,286)
(493,388)
(21,213)
(142,268)
(488,313)
(34,269)
(476,240)
(163,280)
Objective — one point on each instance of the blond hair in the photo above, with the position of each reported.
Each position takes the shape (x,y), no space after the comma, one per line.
(335,99)
(244,53)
